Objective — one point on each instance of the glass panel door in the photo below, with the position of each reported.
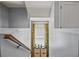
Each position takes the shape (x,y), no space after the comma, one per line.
(39,38)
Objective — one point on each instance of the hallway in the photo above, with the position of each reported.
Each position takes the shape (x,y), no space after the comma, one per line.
(39,29)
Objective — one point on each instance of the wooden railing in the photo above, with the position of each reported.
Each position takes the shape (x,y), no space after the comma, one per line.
(12,38)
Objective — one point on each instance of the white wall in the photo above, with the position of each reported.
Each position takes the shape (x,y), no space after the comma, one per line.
(61,43)
(18,18)
(64,44)
(13,17)
(9,49)
(22,35)
(70,15)
(56,14)
(3,16)
(0,17)
(0,48)
(66,14)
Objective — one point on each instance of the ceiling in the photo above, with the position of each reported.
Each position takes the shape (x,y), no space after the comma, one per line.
(35,8)
(39,8)
(13,4)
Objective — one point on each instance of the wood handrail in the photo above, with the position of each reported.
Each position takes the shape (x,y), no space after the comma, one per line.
(12,38)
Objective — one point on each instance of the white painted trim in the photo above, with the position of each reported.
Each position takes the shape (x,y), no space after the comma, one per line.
(39,19)
(75,31)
